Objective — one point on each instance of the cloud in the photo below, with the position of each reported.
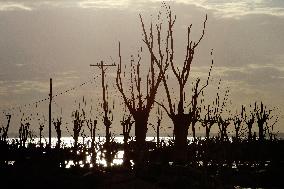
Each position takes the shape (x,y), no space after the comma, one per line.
(221,8)
(258,81)
(238,8)
(104,4)
(22,87)
(10,6)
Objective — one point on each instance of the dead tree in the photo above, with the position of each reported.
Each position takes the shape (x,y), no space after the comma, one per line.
(126,128)
(262,115)
(223,127)
(157,127)
(57,126)
(92,125)
(138,103)
(249,119)
(270,129)
(5,130)
(78,120)
(163,56)
(24,132)
(209,120)
(238,119)
(222,120)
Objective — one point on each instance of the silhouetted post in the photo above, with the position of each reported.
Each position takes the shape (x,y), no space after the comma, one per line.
(158,133)
(107,122)
(40,135)
(160,117)
(49,120)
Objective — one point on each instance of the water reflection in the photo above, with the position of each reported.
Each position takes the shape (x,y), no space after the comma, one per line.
(85,144)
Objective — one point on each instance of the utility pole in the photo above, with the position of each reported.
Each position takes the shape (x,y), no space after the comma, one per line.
(107,122)
(49,118)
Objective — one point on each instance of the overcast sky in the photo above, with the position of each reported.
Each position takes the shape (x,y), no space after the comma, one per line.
(60,38)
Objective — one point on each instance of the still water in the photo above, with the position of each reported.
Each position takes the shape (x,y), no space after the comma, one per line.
(86,141)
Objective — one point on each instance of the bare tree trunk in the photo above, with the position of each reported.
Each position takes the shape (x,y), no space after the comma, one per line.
(180,131)
(126,158)
(260,132)
(193,131)
(249,132)
(207,130)
(140,132)
(140,136)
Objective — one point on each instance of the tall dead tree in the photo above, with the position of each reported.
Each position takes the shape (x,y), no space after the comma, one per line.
(140,103)
(163,56)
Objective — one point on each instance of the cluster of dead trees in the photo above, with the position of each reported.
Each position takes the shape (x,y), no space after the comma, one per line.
(189,108)
(185,107)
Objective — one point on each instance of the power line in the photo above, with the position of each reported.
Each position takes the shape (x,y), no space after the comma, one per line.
(45,99)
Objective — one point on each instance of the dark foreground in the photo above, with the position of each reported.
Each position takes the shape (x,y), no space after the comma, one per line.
(154,176)
(209,164)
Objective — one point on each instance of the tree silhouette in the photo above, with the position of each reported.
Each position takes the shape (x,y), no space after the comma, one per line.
(209,120)
(4,130)
(238,119)
(163,56)
(24,132)
(223,124)
(92,125)
(263,114)
(249,118)
(138,103)
(126,128)
(57,125)
(223,120)
(78,120)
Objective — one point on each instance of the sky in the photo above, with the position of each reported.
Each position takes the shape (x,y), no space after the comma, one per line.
(59,39)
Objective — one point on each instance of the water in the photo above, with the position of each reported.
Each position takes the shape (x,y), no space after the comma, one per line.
(68,142)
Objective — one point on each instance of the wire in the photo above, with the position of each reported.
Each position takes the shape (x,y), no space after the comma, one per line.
(9,110)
